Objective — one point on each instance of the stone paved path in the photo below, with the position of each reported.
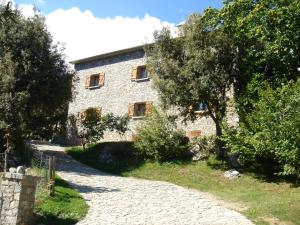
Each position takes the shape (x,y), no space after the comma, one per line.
(118,200)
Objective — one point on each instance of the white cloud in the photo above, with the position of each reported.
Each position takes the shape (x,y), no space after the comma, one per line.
(85,35)
(27,10)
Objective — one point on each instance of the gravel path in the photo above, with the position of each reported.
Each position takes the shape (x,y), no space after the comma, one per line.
(118,200)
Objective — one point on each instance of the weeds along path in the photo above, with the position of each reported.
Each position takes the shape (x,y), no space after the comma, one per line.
(128,201)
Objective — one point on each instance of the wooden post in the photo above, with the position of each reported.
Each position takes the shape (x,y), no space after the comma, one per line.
(51,185)
(50,168)
(53,175)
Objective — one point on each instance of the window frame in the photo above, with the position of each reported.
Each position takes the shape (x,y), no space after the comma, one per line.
(201,111)
(139,72)
(93,77)
(135,116)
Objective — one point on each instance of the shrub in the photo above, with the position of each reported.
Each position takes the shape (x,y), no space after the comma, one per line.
(271,131)
(206,144)
(159,139)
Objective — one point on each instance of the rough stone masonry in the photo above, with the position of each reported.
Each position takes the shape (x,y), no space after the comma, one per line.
(17,194)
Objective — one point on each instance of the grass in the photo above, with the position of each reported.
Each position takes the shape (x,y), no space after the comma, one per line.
(265,200)
(65,208)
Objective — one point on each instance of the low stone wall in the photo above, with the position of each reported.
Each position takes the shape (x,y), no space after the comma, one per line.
(18,196)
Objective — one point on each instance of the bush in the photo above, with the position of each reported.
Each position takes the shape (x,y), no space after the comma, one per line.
(206,144)
(158,138)
(271,131)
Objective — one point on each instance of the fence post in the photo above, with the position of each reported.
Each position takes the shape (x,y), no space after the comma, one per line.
(53,175)
(51,185)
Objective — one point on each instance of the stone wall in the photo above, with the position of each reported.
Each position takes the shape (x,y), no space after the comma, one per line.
(18,195)
(119,91)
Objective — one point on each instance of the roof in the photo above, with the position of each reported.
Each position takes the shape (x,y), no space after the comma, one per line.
(109,54)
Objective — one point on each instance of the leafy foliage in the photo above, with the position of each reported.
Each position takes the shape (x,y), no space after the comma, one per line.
(267,36)
(199,66)
(35,81)
(93,125)
(272,130)
(206,144)
(158,138)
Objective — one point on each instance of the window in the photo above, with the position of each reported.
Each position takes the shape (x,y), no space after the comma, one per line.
(201,107)
(91,114)
(141,73)
(139,109)
(95,81)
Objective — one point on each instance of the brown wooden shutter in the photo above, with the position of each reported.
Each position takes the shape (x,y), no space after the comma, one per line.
(99,111)
(194,134)
(148,108)
(87,81)
(83,115)
(131,110)
(134,73)
(101,79)
(150,71)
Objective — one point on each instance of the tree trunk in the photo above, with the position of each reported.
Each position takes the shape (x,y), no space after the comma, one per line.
(220,148)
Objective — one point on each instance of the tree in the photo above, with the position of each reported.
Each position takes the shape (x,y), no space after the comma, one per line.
(267,36)
(272,133)
(35,81)
(93,125)
(198,66)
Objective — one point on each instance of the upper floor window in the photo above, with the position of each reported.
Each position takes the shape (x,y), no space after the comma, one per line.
(141,73)
(95,80)
(201,107)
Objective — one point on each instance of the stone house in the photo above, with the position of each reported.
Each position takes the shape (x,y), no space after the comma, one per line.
(119,82)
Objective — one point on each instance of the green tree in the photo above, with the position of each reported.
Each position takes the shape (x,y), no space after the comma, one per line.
(267,36)
(199,66)
(272,132)
(93,125)
(35,81)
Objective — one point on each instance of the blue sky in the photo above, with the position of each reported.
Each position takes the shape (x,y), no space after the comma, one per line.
(173,11)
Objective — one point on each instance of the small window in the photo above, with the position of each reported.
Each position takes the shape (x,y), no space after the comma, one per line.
(94,81)
(201,107)
(142,73)
(139,109)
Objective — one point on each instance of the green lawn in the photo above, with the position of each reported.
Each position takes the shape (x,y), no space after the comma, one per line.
(263,201)
(65,208)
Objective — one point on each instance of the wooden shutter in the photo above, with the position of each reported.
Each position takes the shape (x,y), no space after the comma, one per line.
(134,73)
(99,111)
(150,71)
(194,134)
(148,108)
(83,115)
(87,81)
(101,79)
(131,110)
